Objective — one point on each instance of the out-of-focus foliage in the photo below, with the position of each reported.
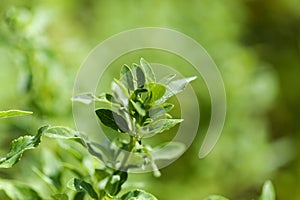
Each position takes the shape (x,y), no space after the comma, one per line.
(255,45)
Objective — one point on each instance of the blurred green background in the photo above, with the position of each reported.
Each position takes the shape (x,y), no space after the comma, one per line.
(255,44)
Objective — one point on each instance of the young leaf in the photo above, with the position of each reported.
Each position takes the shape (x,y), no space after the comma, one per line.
(127,77)
(138,194)
(175,87)
(17,190)
(157,90)
(18,146)
(80,186)
(159,126)
(216,197)
(14,113)
(268,191)
(112,120)
(138,107)
(148,70)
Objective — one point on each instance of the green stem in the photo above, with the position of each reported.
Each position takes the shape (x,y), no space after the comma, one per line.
(131,146)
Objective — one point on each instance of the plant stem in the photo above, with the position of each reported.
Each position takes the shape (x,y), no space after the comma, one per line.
(131,146)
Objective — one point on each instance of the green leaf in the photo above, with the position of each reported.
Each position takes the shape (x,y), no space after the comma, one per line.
(168,151)
(160,110)
(138,195)
(13,113)
(61,132)
(80,186)
(216,197)
(157,112)
(168,107)
(157,91)
(138,107)
(101,174)
(112,120)
(148,70)
(268,192)
(16,190)
(109,97)
(18,146)
(159,126)
(115,182)
(139,75)
(175,87)
(60,197)
(127,77)
(120,92)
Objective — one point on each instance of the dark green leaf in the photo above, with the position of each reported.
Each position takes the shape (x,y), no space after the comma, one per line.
(101,174)
(175,87)
(18,146)
(79,196)
(127,77)
(138,194)
(80,186)
(14,113)
(148,70)
(268,191)
(112,120)
(115,182)
(110,98)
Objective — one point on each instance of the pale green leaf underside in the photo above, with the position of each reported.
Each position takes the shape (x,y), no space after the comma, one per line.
(174,87)
(159,126)
(61,132)
(14,113)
